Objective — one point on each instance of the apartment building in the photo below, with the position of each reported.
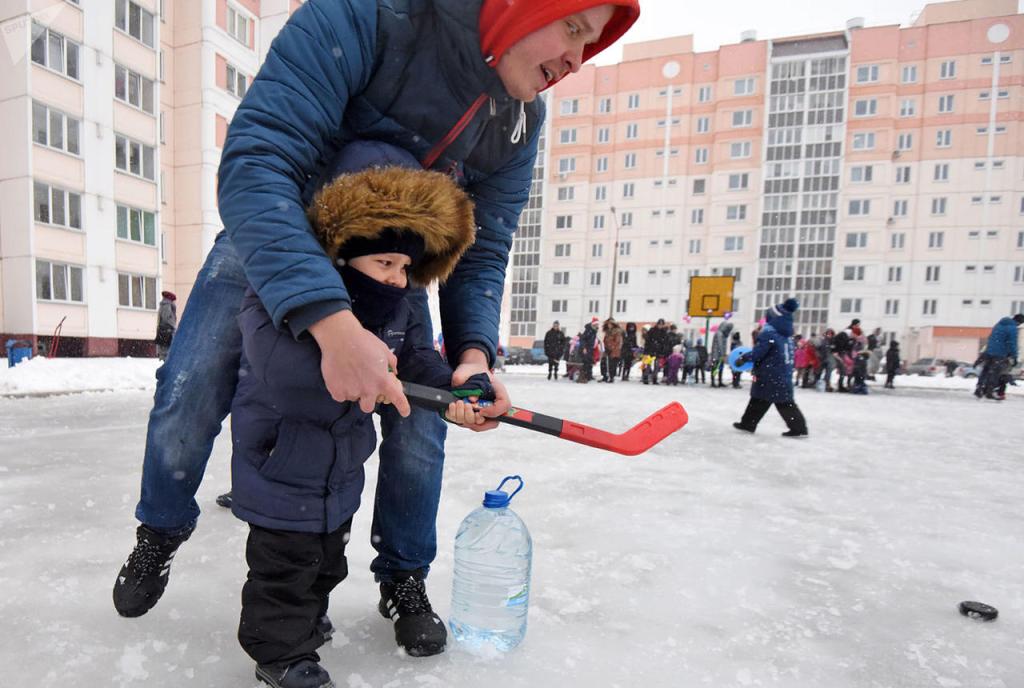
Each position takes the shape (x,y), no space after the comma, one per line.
(115,114)
(873,172)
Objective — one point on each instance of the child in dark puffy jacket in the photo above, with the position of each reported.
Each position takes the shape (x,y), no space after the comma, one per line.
(860,372)
(673,364)
(297,461)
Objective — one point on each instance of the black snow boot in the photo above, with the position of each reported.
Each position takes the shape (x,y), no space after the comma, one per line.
(744,428)
(798,434)
(305,673)
(418,630)
(224,500)
(143,578)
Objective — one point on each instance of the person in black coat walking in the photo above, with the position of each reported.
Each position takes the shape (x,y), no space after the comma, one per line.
(554,346)
(892,363)
(773,373)
(735,342)
(629,345)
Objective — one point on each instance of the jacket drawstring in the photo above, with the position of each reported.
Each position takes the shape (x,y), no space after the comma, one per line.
(520,131)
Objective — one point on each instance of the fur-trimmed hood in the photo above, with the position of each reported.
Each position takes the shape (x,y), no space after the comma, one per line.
(427,203)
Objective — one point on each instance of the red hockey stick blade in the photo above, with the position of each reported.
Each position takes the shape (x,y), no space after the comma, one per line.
(637,439)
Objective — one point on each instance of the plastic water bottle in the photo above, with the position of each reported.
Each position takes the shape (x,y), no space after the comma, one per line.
(491,578)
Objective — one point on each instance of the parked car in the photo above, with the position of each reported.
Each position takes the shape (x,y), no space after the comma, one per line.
(514,355)
(967,370)
(537,354)
(927,366)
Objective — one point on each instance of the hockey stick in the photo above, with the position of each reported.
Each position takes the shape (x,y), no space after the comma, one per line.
(636,440)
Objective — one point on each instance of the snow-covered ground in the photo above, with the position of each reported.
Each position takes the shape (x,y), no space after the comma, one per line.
(716,559)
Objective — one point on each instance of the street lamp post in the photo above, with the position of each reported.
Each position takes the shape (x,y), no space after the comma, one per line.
(615,264)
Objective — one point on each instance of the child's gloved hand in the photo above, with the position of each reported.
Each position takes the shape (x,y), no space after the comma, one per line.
(466,411)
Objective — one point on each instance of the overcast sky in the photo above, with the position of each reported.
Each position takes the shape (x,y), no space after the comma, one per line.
(719,22)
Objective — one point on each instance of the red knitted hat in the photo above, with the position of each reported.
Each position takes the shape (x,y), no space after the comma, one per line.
(505,22)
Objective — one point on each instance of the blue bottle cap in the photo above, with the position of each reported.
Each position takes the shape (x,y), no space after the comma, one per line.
(498,499)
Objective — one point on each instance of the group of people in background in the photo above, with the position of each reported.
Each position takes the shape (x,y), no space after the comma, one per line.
(835,361)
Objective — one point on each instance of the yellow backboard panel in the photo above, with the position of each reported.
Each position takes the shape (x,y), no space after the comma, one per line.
(710,296)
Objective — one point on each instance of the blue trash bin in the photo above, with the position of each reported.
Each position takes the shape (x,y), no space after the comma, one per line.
(18,350)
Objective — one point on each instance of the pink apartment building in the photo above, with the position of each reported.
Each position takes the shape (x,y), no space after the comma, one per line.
(874,172)
(115,114)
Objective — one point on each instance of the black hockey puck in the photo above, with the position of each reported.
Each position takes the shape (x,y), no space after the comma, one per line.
(977,610)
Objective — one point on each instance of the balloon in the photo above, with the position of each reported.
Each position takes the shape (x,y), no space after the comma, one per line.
(701,330)
(714,328)
(762,322)
(727,315)
(687,318)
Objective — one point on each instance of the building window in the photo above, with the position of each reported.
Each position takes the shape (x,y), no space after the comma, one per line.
(627,219)
(704,94)
(134,89)
(604,106)
(136,291)
(600,193)
(604,135)
(595,279)
(697,216)
(865,108)
(622,277)
(733,243)
(59,282)
(853,273)
(931,273)
(939,206)
(629,161)
(867,74)
(743,87)
(703,125)
(632,131)
(135,21)
(860,206)
(739,181)
(567,165)
(895,274)
(625,248)
(52,50)
(736,212)
(567,136)
(560,279)
(620,305)
(595,306)
(849,305)
(1018,274)
(900,208)
(694,246)
(947,70)
(698,186)
(946,103)
(903,174)
(134,157)
(861,173)
(599,222)
(936,239)
(739,149)
(136,225)
(897,241)
(628,190)
(570,106)
(563,250)
(856,240)
(908,107)
(633,101)
(1020,239)
(929,306)
(941,172)
(239,25)
(905,142)
(560,306)
(55,206)
(742,118)
(563,222)
(864,140)
(566,193)
(701,156)
(596,250)
(55,129)
(908,75)
(892,306)
(602,163)
(944,138)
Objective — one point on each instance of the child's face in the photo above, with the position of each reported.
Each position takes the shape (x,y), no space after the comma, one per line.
(388,268)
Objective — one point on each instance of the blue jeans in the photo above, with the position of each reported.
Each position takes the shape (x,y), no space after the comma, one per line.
(194,389)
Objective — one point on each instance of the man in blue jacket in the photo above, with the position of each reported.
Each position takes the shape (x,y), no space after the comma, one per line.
(773,373)
(454,83)
(1000,354)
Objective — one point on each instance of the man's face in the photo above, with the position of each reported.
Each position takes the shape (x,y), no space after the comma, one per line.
(546,55)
